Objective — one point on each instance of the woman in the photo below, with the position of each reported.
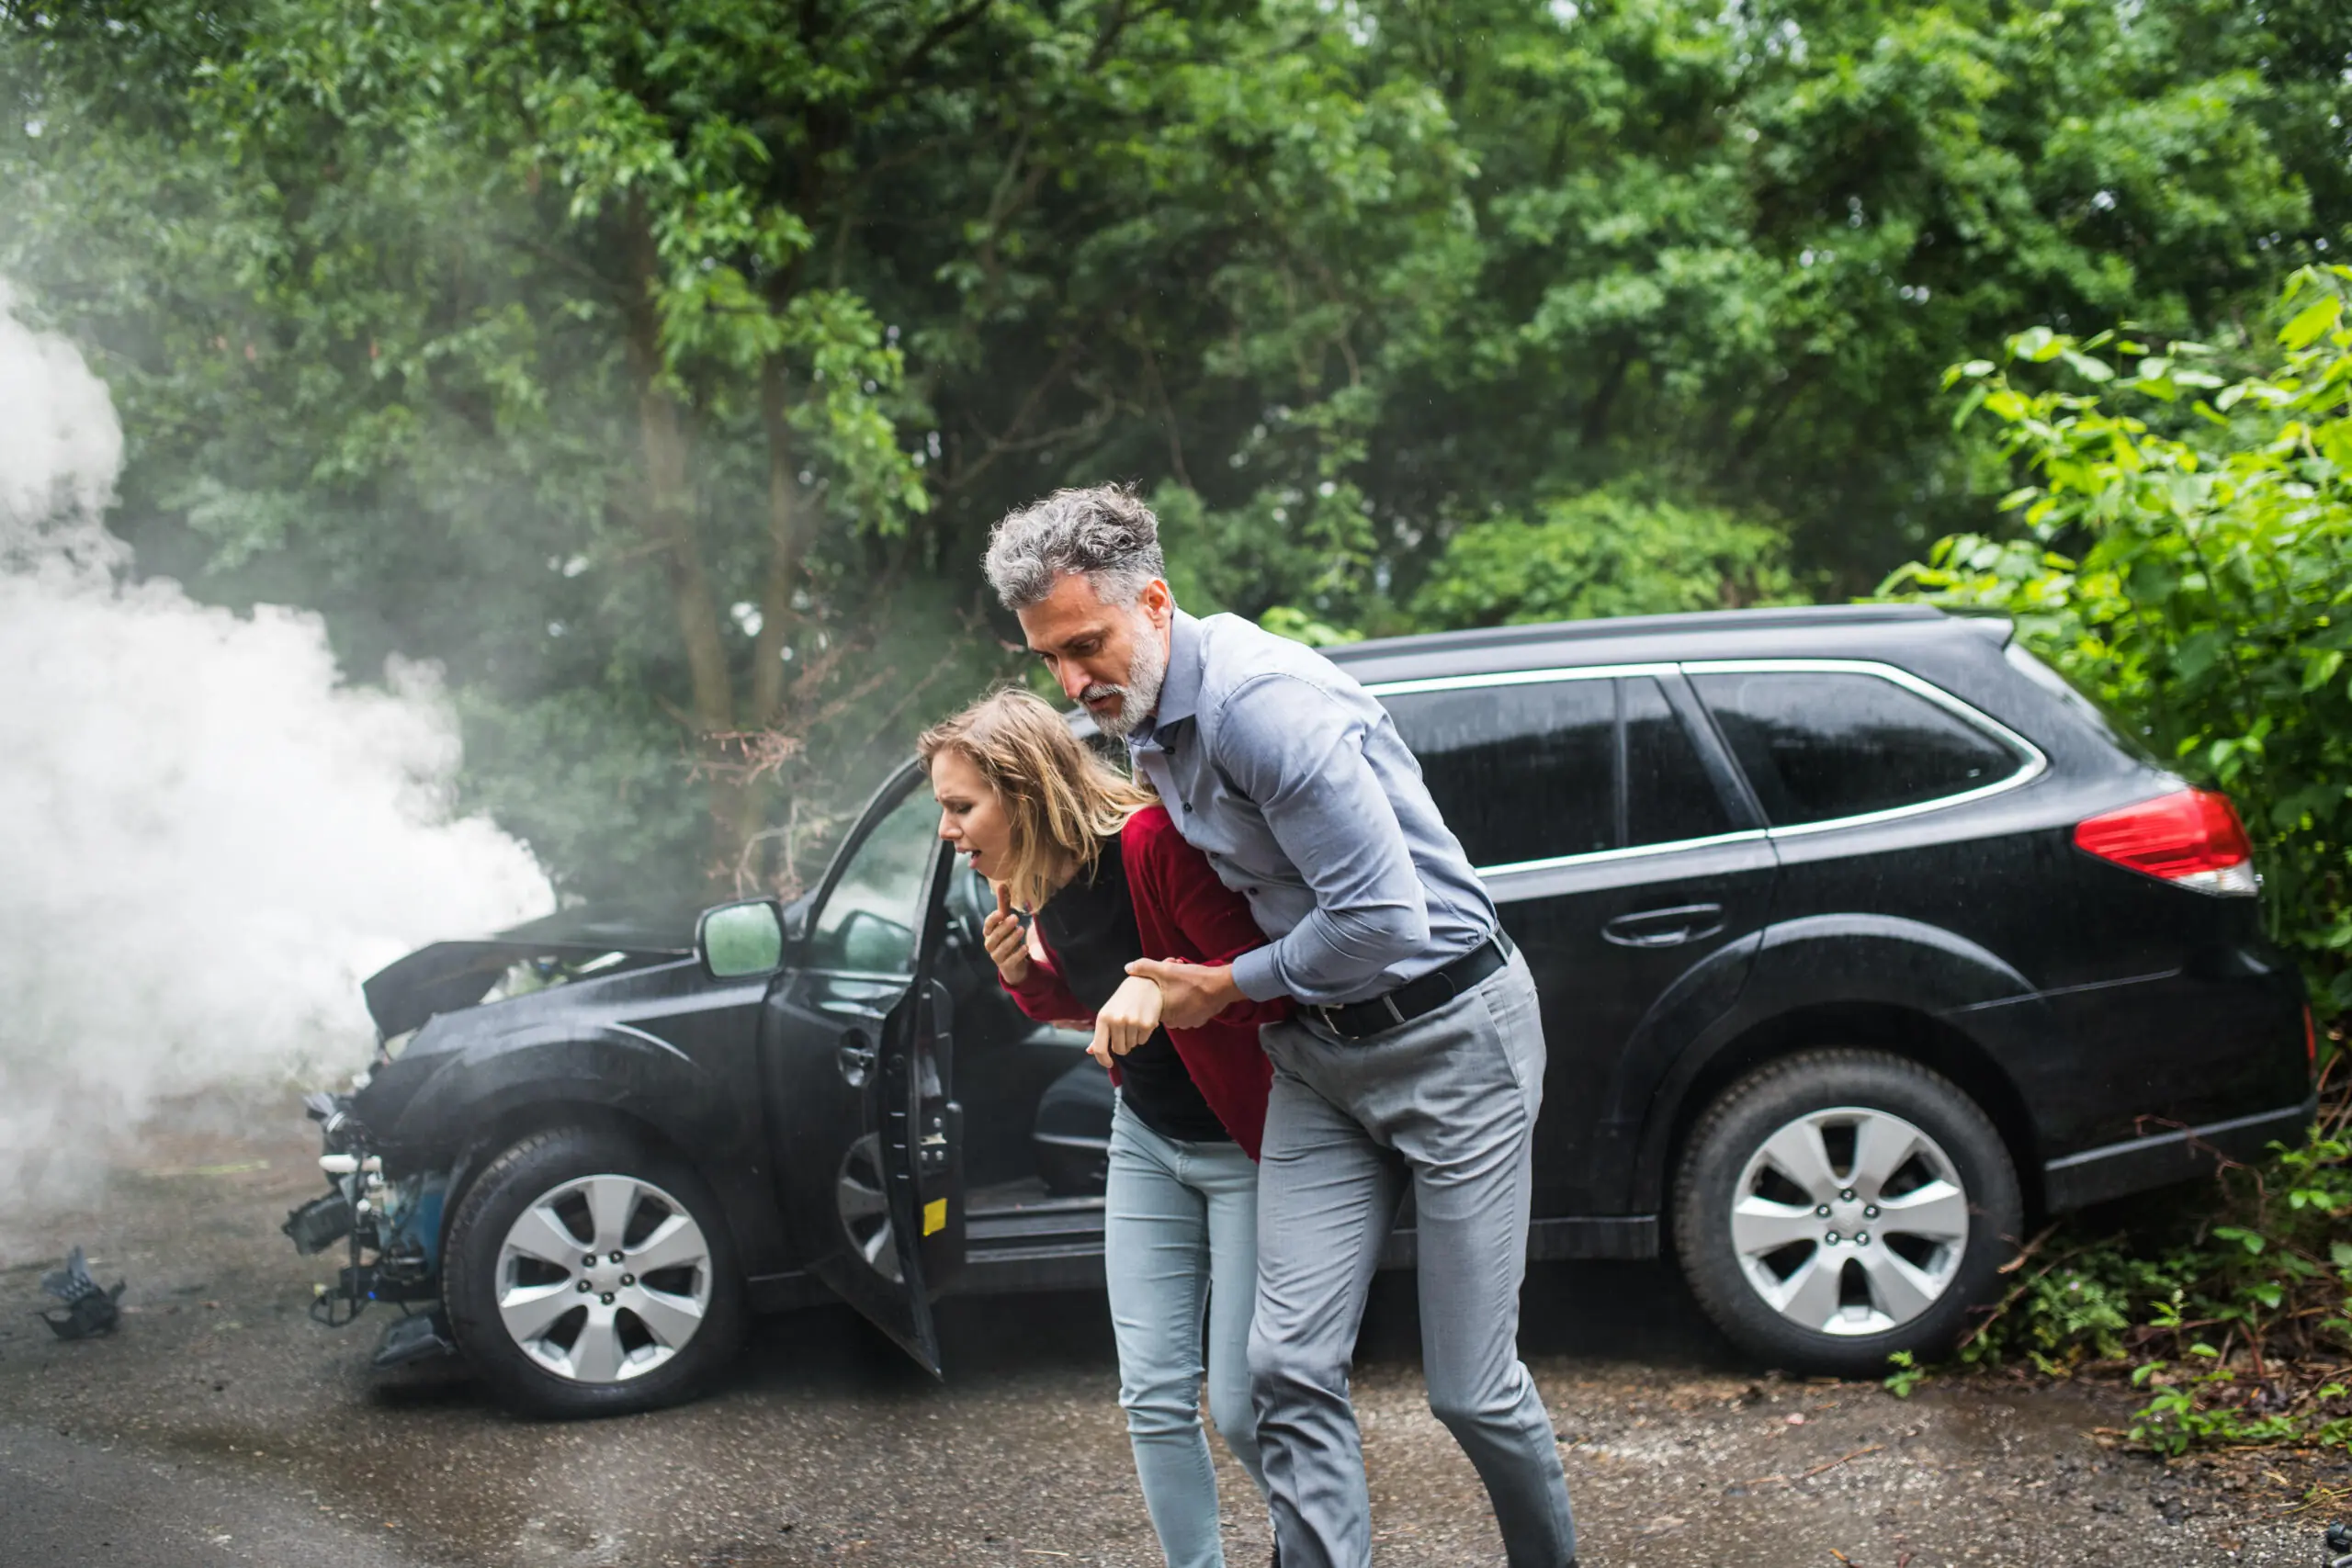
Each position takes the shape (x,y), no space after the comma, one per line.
(1110,881)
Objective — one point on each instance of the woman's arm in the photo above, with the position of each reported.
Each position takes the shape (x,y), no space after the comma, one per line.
(1189,901)
(1043,994)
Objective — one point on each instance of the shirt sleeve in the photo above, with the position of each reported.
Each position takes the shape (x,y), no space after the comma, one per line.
(1298,756)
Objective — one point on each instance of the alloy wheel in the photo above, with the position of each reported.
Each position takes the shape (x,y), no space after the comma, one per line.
(865,1207)
(603,1278)
(1849,1221)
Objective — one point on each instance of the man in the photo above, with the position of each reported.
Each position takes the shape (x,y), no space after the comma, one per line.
(1417,1054)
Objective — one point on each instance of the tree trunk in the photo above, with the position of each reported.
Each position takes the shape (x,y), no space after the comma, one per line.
(787,542)
(667,517)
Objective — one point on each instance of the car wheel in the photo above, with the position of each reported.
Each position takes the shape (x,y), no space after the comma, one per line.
(865,1207)
(1840,1205)
(588,1275)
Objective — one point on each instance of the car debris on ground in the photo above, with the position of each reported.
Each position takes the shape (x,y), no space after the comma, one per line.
(90,1308)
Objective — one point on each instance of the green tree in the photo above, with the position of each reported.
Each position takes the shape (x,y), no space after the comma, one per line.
(1605,553)
(660,372)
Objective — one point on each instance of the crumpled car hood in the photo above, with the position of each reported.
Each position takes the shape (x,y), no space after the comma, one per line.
(451,975)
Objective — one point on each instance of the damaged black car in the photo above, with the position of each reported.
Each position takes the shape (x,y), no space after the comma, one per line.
(1863,942)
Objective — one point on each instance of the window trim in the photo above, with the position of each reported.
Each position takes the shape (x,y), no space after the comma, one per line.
(1421,686)
(2036,762)
(884,803)
(2034,759)
(1515,678)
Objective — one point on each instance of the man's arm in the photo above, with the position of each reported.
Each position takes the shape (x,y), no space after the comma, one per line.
(1298,755)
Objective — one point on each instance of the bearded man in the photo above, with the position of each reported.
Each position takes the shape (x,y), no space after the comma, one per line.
(1416,1053)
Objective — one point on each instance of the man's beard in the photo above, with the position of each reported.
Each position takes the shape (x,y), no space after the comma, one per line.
(1141,696)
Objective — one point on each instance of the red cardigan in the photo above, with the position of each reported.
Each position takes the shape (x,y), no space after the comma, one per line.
(1184,912)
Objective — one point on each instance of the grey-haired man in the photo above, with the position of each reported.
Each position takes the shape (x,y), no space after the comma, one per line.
(1417,1054)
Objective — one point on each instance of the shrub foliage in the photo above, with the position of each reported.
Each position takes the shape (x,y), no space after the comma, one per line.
(2185,558)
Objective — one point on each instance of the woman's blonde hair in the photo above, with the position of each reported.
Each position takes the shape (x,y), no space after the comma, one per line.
(1060,799)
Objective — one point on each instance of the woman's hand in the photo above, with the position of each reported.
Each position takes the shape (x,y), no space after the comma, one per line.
(1007,943)
(1128,1020)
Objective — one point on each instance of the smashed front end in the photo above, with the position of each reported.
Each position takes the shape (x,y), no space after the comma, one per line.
(390,1228)
(385,1200)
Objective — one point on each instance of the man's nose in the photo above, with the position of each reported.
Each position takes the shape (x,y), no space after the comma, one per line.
(1073,680)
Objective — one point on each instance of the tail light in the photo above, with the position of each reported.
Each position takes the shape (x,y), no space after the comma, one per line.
(2311,1041)
(2192,839)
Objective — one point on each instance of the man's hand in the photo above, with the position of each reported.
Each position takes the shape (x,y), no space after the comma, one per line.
(1008,944)
(1190,994)
(1126,1020)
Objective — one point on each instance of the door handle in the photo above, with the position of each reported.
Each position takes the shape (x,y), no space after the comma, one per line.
(1665,928)
(855,1058)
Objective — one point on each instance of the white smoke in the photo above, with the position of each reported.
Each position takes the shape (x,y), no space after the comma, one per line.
(207,837)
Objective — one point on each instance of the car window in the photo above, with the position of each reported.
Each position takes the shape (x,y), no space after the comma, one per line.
(870,919)
(1669,796)
(1817,745)
(1521,772)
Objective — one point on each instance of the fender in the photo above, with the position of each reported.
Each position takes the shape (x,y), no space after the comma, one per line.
(609,1067)
(1876,961)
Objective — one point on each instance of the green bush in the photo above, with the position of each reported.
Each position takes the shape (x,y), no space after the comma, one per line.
(2185,558)
(2234,1315)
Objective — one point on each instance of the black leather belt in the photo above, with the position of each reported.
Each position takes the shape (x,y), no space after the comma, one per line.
(1362,1021)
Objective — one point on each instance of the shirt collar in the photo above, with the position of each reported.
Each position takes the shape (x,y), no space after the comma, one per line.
(1179,688)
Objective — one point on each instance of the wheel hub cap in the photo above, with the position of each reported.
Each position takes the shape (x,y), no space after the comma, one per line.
(604,1279)
(865,1208)
(1849,1221)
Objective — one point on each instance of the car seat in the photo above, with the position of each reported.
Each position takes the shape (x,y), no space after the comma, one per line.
(1072,1135)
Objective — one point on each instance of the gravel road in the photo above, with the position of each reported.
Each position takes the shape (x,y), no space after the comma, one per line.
(222,1426)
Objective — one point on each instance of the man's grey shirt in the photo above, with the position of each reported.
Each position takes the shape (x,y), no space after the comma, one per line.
(1292,779)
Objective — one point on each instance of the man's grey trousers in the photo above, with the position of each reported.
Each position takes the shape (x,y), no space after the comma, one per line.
(1448,1102)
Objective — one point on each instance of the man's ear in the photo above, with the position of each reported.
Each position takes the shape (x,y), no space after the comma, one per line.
(1158,602)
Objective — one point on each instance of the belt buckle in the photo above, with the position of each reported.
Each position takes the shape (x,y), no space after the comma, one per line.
(1330,1016)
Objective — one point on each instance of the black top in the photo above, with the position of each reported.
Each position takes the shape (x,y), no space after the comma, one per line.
(1090,927)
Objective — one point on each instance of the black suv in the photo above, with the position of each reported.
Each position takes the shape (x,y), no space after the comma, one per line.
(1860,936)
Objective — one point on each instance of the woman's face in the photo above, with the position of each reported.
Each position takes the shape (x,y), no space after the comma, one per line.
(971,813)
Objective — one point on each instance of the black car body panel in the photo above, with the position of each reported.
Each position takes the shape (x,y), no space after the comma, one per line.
(2115,1029)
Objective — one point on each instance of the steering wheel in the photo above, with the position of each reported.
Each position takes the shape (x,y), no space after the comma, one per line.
(969,902)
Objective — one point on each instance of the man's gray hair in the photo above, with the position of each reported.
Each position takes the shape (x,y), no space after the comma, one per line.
(1105,534)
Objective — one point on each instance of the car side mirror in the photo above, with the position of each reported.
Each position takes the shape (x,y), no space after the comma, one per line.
(737,939)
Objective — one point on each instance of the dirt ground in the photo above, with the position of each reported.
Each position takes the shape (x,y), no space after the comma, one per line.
(221,1426)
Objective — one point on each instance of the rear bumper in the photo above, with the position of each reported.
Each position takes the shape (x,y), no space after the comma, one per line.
(2136,1165)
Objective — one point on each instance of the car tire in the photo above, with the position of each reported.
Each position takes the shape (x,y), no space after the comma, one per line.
(1817,1204)
(575,1335)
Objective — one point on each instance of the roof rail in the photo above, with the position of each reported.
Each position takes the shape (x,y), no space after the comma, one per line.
(1638,626)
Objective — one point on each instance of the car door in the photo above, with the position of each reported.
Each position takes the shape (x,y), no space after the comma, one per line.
(1627,865)
(860,1049)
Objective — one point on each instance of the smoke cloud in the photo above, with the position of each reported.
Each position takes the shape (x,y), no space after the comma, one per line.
(207,837)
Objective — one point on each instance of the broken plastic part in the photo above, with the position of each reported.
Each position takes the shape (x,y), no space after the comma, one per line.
(89,1307)
(424,1337)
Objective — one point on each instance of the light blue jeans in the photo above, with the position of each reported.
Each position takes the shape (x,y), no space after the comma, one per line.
(1180,1244)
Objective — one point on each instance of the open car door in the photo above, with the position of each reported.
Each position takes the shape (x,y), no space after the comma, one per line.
(861,1068)
(913,1127)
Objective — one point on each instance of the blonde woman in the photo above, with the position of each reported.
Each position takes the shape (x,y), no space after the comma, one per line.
(1108,880)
